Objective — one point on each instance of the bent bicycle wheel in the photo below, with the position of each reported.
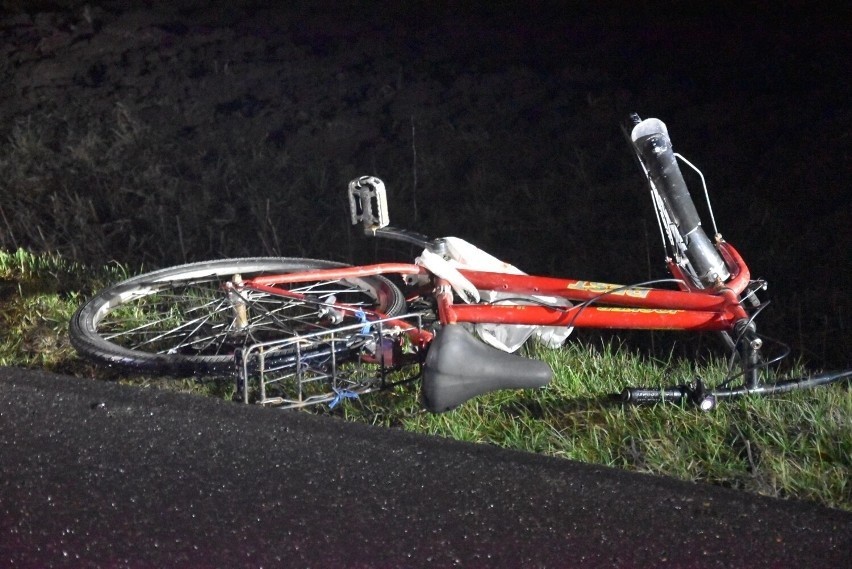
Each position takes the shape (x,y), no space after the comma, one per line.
(181,320)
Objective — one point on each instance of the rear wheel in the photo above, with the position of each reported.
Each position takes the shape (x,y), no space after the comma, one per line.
(182,320)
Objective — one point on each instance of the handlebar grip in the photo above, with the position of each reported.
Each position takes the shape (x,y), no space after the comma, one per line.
(651,140)
(655,395)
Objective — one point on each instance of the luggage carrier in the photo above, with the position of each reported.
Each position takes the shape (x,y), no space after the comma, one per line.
(329,366)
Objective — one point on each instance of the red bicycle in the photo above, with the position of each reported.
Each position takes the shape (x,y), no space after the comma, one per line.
(297,332)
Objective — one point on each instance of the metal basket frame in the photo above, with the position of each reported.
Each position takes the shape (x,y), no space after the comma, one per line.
(318,362)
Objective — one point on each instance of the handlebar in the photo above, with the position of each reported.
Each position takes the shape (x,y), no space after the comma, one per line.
(652,144)
(706,398)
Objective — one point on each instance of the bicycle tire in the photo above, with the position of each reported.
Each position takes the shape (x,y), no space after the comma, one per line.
(178,321)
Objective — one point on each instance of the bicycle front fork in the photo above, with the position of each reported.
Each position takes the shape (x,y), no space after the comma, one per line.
(749,352)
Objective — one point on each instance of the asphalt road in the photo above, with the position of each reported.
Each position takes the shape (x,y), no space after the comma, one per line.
(97,474)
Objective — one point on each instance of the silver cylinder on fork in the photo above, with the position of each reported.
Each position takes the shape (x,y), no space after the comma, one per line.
(651,141)
(706,261)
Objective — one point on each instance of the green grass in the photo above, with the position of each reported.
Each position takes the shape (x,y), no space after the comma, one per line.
(38,296)
(797,445)
(35,309)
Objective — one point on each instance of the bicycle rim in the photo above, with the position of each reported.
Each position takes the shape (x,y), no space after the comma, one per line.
(180,320)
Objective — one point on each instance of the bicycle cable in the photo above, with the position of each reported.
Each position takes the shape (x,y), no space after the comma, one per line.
(586,303)
(730,376)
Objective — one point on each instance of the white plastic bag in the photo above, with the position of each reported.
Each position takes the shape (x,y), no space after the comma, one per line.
(506,337)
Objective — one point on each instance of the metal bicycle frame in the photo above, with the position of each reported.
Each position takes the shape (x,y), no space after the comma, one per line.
(602,305)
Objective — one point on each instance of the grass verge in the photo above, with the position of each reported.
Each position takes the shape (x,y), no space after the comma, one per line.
(796,445)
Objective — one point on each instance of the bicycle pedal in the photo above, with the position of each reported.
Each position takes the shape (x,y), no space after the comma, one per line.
(368,203)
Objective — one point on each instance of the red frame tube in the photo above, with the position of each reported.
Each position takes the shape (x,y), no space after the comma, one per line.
(614,306)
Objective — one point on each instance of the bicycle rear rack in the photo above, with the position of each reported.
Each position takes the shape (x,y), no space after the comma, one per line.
(329,366)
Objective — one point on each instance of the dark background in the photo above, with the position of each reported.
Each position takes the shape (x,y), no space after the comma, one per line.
(154,134)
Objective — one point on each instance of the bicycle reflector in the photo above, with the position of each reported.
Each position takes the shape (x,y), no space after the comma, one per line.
(368,203)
